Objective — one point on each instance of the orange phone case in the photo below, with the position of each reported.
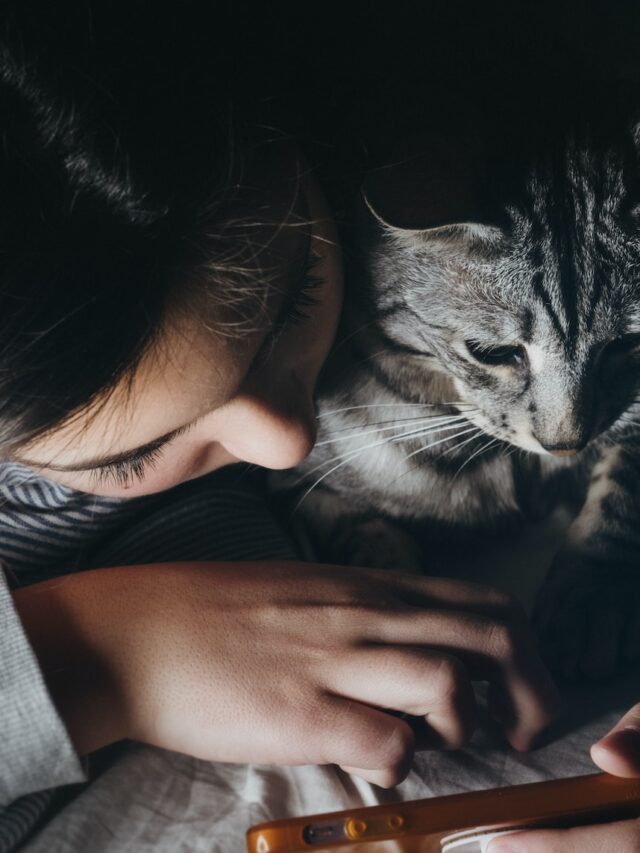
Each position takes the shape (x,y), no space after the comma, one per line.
(422,825)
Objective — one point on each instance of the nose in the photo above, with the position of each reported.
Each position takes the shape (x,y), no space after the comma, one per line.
(566,413)
(274,427)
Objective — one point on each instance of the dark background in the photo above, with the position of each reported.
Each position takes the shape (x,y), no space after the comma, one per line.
(310,68)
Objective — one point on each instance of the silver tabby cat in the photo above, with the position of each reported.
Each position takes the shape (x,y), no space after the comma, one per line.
(489,361)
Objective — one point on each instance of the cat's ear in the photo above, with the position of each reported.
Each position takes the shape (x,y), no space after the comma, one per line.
(431,189)
(452,233)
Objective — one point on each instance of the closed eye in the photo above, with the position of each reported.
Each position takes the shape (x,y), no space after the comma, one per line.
(127,471)
(502,355)
(297,306)
(134,466)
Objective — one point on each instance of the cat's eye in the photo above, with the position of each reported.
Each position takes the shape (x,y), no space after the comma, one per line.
(507,355)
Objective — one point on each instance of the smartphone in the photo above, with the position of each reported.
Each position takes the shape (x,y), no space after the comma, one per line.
(460,823)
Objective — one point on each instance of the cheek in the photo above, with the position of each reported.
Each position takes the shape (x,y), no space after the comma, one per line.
(305,346)
(325,324)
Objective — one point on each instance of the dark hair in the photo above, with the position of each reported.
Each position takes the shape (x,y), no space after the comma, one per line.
(111,150)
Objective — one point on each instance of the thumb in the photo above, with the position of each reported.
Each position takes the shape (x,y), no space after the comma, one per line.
(619,751)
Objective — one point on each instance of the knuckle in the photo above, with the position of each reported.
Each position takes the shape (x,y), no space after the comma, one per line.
(500,599)
(501,640)
(346,618)
(447,680)
(316,719)
(396,748)
(633,716)
(355,742)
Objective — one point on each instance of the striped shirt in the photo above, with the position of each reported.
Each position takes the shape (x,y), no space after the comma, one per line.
(46,530)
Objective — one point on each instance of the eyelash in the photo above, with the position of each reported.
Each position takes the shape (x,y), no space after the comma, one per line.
(300,303)
(123,474)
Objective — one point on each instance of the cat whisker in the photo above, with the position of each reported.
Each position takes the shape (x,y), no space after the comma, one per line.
(462,443)
(447,427)
(342,341)
(350,454)
(457,404)
(393,425)
(415,417)
(413,433)
(509,449)
(475,435)
(358,451)
(441,441)
(344,459)
(477,453)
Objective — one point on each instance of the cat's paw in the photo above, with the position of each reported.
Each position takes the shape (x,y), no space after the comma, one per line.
(587,616)
(379,544)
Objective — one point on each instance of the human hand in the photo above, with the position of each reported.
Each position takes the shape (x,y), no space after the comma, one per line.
(292,663)
(621,837)
(618,753)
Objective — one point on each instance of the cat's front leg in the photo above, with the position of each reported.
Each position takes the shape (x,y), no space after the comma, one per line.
(588,609)
(350,533)
(379,544)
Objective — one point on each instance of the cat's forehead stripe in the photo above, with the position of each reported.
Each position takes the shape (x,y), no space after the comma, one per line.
(574,247)
(538,279)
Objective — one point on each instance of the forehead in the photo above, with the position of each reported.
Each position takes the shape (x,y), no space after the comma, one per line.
(571,257)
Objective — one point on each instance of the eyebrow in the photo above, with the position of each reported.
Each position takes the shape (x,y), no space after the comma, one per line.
(127,456)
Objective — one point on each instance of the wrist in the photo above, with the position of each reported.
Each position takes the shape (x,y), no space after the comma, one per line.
(66,621)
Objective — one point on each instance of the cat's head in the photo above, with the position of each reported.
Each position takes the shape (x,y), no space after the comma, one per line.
(517,272)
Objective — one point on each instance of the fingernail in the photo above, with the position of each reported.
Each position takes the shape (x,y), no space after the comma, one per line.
(627,740)
(499,846)
(495,844)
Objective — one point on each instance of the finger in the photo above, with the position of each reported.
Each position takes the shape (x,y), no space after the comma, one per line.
(502,653)
(618,752)
(621,837)
(417,681)
(356,735)
(382,778)
(455,594)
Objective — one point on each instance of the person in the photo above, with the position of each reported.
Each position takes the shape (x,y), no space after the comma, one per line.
(618,753)
(171,286)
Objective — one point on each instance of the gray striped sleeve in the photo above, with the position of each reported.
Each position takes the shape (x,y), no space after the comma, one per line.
(35,749)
